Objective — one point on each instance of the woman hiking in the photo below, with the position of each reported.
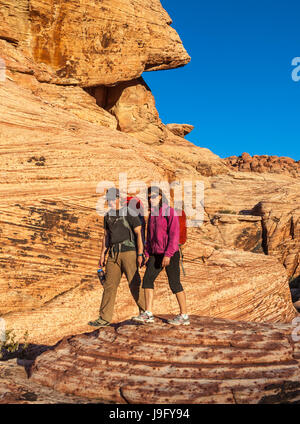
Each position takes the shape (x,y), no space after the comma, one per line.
(162,251)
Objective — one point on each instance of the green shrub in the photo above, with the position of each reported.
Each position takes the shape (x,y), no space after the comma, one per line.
(10,344)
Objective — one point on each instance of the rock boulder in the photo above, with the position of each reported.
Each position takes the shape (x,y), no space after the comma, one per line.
(214,361)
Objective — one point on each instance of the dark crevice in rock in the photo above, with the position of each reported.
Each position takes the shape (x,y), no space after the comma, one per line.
(11,40)
(30,72)
(123,396)
(233,395)
(295,283)
(66,84)
(285,393)
(100,94)
(292,229)
(26,356)
(264,235)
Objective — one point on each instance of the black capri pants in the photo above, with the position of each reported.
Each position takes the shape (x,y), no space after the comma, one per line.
(154,268)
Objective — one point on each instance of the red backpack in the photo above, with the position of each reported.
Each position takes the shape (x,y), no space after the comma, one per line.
(182,226)
(136,203)
(182,233)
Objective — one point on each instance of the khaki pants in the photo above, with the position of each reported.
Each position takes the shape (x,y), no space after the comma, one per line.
(126,262)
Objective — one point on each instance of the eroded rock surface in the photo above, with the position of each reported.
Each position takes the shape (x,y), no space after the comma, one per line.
(58,142)
(132,104)
(51,165)
(264,163)
(16,388)
(180,129)
(281,232)
(218,283)
(91,43)
(212,361)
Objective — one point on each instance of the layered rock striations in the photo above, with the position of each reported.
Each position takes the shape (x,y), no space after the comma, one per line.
(74,114)
(281,232)
(51,165)
(215,361)
(93,43)
(16,388)
(180,129)
(133,106)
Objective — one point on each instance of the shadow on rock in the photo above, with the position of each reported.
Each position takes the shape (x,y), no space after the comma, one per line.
(26,357)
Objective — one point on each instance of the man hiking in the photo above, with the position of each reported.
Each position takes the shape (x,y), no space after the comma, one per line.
(122,238)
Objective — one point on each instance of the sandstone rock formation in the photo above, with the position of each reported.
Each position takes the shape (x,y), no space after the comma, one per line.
(264,163)
(133,105)
(50,232)
(239,285)
(25,73)
(227,217)
(54,155)
(237,231)
(59,141)
(180,129)
(115,40)
(216,361)
(15,388)
(281,232)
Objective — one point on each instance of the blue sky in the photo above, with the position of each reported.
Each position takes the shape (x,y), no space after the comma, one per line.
(237,90)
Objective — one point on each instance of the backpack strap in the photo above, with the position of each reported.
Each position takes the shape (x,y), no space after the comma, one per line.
(129,242)
(181,259)
(180,250)
(127,225)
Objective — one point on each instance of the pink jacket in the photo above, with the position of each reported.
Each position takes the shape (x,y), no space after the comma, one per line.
(163,233)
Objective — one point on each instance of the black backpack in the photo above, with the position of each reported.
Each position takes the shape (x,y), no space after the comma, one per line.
(120,232)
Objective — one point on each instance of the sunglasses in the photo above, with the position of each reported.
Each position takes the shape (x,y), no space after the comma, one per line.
(153,196)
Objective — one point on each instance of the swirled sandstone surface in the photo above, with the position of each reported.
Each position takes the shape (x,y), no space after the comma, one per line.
(54,154)
(213,361)
(59,141)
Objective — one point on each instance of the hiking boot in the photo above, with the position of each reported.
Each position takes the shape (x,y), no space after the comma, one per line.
(99,322)
(179,320)
(144,318)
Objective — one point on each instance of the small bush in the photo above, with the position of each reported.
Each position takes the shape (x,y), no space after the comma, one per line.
(10,344)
